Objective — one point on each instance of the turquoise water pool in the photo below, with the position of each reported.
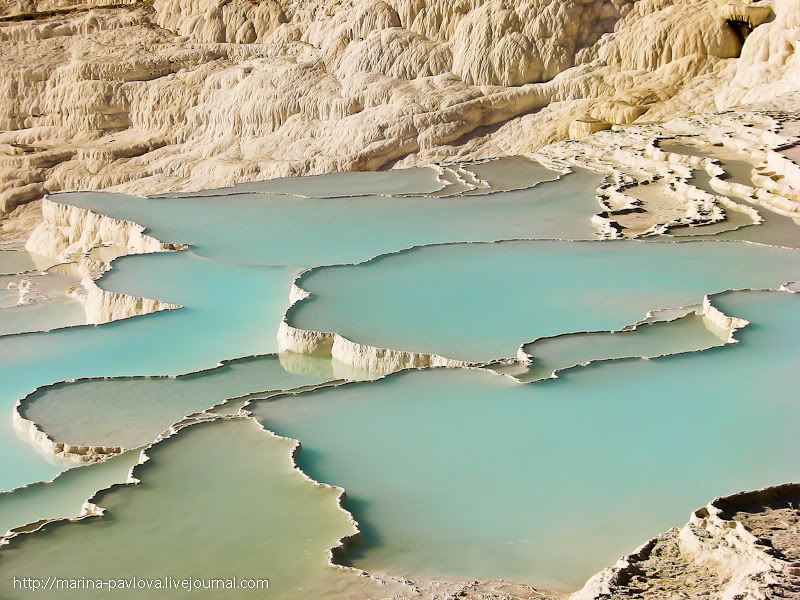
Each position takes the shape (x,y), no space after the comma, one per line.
(218,500)
(479,302)
(234,281)
(259,228)
(462,473)
(130,412)
(231,311)
(467,473)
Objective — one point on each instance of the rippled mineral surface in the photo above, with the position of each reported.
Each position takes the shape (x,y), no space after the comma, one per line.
(487,380)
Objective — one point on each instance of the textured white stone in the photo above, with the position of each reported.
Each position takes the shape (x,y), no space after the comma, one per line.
(195,94)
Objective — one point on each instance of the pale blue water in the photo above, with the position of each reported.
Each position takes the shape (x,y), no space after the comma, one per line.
(335,185)
(285,230)
(737,169)
(131,412)
(507,173)
(551,354)
(510,173)
(479,302)
(15,260)
(59,311)
(231,311)
(8,297)
(468,474)
(41,316)
(436,441)
(774,229)
(218,500)
(64,496)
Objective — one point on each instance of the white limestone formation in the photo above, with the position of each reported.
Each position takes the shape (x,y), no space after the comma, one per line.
(736,547)
(31,432)
(102,306)
(69,233)
(717,321)
(346,352)
(165,95)
(722,325)
(188,94)
(648,190)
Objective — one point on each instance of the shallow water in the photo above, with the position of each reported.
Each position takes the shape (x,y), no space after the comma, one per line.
(41,316)
(63,497)
(285,230)
(132,412)
(14,259)
(8,296)
(422,180)
(231,311)
(510,173)
(792,153)
(217,500)
(775,229)
(479,302)
(467,473)
(107,254)
(50,309)
(736,168)
(685,334)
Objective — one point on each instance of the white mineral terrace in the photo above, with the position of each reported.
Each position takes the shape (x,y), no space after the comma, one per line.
(647,193)
(534,301)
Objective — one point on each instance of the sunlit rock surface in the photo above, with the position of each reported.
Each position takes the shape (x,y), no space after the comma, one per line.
(177,94)
(684,105)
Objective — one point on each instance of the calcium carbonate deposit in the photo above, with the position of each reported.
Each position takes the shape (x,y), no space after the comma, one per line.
(526,328)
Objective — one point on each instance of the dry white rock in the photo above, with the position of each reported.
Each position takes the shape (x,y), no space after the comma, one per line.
(188,94)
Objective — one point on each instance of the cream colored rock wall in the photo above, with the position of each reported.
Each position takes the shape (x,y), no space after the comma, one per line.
(735,547)
(239,21)
(189,94)
(656,33)
(67,232)
(352,354)
(103,306)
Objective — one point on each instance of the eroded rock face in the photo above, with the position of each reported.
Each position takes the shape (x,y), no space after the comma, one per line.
(739,546)
(188,94)
(657,33)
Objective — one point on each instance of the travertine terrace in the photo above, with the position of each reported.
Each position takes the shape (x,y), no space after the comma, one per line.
(689,110)
(181,94)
